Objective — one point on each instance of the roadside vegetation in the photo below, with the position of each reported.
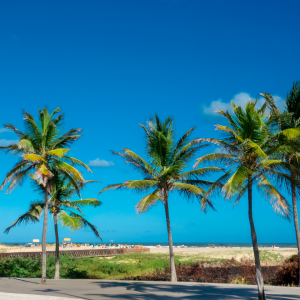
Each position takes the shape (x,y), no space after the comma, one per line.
(156,267)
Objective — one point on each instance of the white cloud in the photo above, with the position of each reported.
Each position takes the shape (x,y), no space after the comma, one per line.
(280,102)
(4,130)
(100,163)
(238,99)
(5,142)
(220,150)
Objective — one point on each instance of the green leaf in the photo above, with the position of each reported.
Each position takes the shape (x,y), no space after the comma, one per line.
(73,223)
(222,158)
(236,182)
(141,184)
(279,203)
(69,169)
(291,133)
(201,172)
(31,216)
(33,158)
(58,152)
(258,151)
(189,188)
(84,202)
(78,162)
(26,145)
(140,160)
(148,201)
(86,224)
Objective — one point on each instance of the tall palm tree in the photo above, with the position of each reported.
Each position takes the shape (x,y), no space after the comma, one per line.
(42,148)
(67,211)
(290,119)
(164,171)
(251,146)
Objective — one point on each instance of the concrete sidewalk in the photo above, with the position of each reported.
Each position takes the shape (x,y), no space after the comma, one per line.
(139,290)
(11,296)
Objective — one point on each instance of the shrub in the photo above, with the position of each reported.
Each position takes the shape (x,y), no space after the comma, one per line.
(288,273)
(20,267)
(25,267)
(229,271)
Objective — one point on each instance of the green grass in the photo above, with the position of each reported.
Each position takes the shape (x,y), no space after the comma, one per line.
(123,266)
(132,265)
(270,256)
(119,267)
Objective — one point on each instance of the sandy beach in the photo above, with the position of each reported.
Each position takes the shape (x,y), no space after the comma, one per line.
(268,255)
(189,251)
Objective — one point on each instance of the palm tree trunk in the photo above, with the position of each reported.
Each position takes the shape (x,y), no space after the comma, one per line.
(259,277)
(172,260)
(44,254)
(296,222)
(56,276)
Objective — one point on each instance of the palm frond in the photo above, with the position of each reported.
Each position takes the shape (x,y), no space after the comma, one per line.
(222,158)
(291,133)
(72,222)
(19,167)
(229,130)
(228,147)
(12,149)
(18,179)
(148,202)
(236,182)
(188,189)
(86,202)
(77,162)
(69,169)
(66,139)
(86,224)
(135,163)
(140,184)
(18,132)
(32,215)
(201,172)
(256,148)
(116,186)
(279,203)
(58,152)
(137,158)
(33,158)
(241,193)
(181,142)
(26,145)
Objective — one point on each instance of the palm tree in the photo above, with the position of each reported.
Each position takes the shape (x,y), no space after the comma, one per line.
(251,146)
(61,208)
(164,173)
(290,119)
(42,148)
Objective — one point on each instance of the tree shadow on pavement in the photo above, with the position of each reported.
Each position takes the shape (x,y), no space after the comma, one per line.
(118,290)
(166,291)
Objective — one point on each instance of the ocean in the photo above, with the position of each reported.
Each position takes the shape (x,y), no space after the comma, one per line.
(189,245)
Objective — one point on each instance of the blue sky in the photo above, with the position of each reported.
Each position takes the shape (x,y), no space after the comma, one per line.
(110,65)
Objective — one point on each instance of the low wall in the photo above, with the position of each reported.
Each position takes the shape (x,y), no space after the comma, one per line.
(76,253)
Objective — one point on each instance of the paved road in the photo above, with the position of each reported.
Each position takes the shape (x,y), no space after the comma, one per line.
(12,296)
(122,290)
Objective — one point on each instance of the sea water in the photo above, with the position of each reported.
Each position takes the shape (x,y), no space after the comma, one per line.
(189,245)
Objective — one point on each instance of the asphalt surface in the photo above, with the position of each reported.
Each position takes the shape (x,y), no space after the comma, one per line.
(11,296)
(89,289)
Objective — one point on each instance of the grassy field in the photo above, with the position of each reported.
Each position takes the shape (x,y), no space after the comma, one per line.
(131,265)
(123,266)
